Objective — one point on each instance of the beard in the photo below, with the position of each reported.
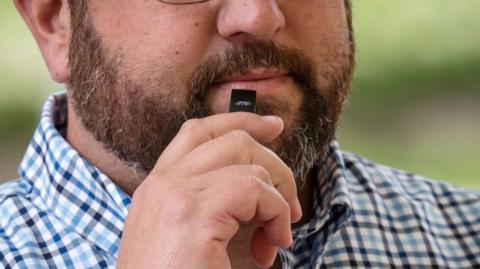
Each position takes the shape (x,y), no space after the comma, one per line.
(135,119)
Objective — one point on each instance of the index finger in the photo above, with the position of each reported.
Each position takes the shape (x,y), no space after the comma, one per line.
(195,132)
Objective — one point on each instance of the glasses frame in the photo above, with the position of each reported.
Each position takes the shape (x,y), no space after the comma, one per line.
(182,2)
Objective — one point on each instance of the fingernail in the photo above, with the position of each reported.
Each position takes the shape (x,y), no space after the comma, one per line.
(272,119)
(299,209)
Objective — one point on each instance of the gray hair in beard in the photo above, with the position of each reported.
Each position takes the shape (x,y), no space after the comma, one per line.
(137,125)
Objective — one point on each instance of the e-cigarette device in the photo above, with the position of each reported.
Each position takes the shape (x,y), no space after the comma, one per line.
(243,100)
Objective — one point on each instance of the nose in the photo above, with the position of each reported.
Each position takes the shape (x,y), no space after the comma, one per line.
(250,19)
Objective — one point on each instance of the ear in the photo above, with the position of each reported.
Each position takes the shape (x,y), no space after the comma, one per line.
(49,22)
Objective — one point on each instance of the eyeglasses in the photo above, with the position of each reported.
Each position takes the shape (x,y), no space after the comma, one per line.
(182,2)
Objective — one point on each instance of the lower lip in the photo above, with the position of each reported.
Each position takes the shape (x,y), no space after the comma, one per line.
(262,87)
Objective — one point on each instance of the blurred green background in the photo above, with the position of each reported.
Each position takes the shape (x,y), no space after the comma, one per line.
(415,103)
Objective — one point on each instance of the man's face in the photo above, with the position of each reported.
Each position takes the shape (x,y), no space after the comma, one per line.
(139,69)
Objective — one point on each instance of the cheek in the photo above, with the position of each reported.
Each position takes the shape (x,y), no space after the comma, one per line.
(151,41)
(323,36)
(316,26)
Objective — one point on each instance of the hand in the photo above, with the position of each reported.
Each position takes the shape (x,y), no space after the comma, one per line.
(214,175)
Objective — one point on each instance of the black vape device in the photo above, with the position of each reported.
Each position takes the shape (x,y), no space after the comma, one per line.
(243,100)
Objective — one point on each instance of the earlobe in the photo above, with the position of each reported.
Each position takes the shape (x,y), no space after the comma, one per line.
(49,22)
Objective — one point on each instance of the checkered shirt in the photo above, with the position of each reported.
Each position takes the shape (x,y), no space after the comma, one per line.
(63,212)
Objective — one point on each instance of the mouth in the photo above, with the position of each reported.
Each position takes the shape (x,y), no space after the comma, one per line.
(254,75)
(264,81)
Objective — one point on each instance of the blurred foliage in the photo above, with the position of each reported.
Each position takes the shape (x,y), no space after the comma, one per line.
(415,102)
(409,50)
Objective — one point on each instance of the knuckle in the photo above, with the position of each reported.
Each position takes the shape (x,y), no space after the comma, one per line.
(180,206)
(242,137)
(241,143)
(196,126)
(259,171)
(251,183)
(176,205)
(192,125)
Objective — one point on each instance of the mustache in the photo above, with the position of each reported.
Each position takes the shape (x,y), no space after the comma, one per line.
(239,59)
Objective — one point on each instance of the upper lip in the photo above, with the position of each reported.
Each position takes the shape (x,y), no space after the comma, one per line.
(253,75)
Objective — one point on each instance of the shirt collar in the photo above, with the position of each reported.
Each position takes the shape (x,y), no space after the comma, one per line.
(75,191)
(332,210)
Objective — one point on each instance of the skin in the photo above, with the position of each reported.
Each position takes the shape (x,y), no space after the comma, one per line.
(206,202)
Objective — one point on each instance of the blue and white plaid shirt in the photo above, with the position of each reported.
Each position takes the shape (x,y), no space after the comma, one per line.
(64,212)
